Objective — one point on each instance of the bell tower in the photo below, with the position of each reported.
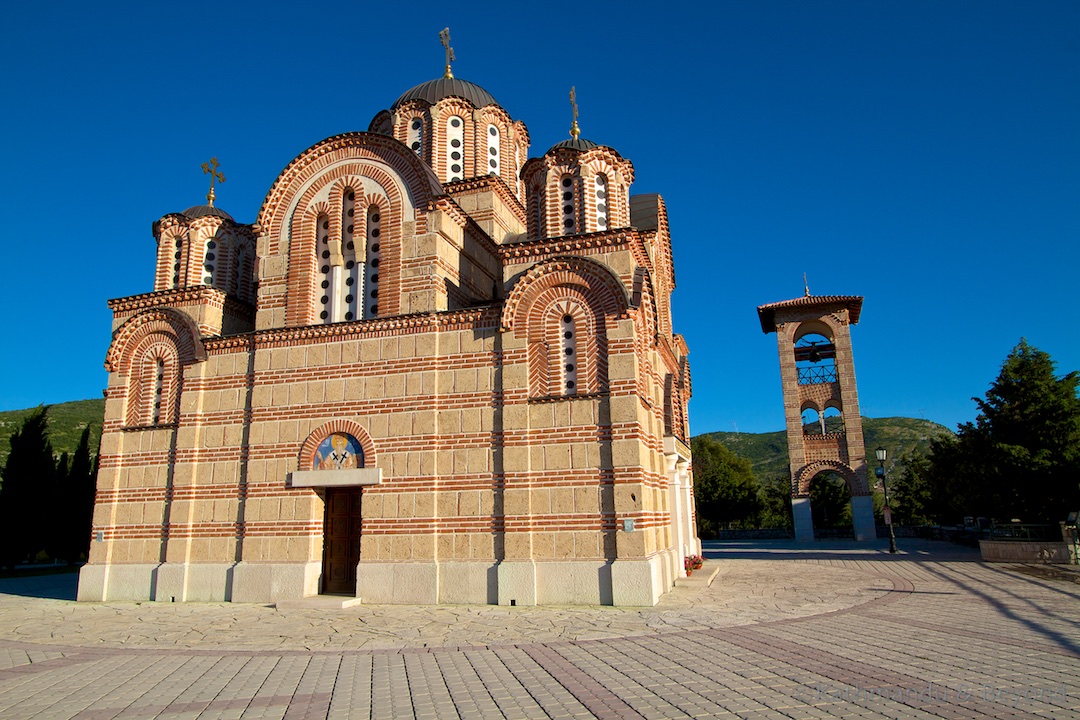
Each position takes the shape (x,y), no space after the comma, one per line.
(821,403)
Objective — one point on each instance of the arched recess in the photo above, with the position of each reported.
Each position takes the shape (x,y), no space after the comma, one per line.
(801,484)
(603,287)
(150,350)
(417,177)
(306,456)
(563,295)
(179,327)
(319,237)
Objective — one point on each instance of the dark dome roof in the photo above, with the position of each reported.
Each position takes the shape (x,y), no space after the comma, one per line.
(578,143)
(435,90)
(198,211)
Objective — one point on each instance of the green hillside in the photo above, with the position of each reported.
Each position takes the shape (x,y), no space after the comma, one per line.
(66,423)
(768,451)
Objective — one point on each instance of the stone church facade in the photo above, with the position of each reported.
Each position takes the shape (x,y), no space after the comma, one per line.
(431,371)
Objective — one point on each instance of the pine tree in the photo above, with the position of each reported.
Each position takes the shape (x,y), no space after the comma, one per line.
(27,491)
(1021,456)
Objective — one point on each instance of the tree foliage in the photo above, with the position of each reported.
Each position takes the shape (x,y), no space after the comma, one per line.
(726,493)
(77,486)
(830,501)
(46,505)
(1021,456)
(29,476)
(910,495)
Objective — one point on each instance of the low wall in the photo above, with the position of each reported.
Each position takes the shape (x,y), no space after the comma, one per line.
(1025,551)
(765,534)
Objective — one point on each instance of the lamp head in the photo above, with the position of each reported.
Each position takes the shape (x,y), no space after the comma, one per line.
(882,454)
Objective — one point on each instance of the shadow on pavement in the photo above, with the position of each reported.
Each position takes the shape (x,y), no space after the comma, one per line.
(56,586)
(910,549)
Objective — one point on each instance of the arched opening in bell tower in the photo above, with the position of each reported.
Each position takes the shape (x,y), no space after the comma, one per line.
(815,356)
(830,505)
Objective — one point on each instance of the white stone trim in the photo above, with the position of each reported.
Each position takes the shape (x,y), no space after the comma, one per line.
(335,478)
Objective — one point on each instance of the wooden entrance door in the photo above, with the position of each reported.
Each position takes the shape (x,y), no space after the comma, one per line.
(341,540)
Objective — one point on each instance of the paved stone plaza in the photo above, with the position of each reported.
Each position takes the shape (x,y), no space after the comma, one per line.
(786,630)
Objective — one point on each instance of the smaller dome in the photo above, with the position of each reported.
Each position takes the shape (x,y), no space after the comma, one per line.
(198,211)
(435,90)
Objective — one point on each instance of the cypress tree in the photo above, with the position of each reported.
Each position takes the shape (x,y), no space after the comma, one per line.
(27,494)
(79,486)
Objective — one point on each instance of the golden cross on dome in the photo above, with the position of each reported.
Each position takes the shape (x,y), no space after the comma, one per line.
(444,38)
(574,129)
(211,168)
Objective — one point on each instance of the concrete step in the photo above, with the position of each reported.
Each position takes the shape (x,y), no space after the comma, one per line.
(702,578)
(318,602)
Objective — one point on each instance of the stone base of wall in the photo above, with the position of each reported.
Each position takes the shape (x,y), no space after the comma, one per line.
(591,582)
(1025,551)
(523,582)
(117,583)
(198,582)
(638,583)
(270,582)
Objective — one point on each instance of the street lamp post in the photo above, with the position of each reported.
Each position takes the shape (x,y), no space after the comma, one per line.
(882,454)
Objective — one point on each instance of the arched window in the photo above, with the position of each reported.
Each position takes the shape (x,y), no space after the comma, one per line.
(815,359)
(493,149)
(370,298)
(323,306)
(210,260)
(517,169)
(178,256)
(568,346)
(455,142)
(568,356)
(811,421)
(416,136)
(600,184)
(159,387)
(567,205)
(153,384)
(240,278)
(347,294)
(833,420)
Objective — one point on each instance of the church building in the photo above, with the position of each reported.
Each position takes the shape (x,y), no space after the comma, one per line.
(432,370)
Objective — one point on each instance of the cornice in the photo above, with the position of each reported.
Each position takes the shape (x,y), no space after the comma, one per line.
(358,329)
(179,296)
(569,244)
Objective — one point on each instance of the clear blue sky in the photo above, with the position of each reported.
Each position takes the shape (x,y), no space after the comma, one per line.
(925,155)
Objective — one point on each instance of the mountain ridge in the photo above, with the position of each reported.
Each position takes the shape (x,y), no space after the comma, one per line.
(768,452)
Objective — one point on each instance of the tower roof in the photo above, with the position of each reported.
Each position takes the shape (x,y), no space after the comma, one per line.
(767,312)
(433,91)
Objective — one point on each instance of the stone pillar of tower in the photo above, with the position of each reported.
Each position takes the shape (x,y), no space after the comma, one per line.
(817,371)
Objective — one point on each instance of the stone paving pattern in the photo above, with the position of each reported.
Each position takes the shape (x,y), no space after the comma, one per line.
(786,631)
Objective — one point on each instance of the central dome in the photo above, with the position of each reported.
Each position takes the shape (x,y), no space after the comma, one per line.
(435,90)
